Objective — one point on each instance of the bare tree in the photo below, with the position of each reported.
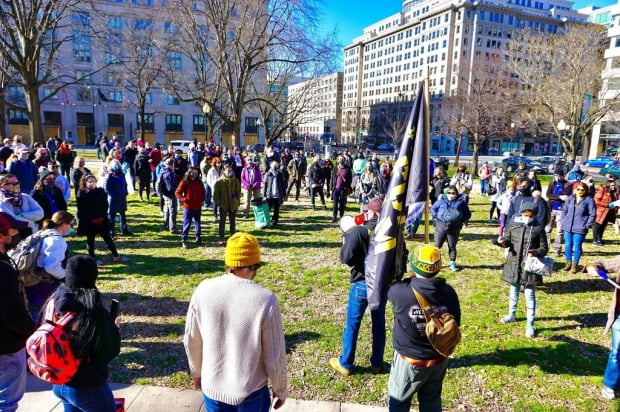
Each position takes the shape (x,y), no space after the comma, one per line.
(33,32)
(241,39)
(563,78)
(479,107)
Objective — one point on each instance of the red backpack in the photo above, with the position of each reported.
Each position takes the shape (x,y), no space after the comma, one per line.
(50,357)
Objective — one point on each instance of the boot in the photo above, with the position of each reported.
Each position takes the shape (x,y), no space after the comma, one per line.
(568,266)
(530,311)
(513,300)
(574,268)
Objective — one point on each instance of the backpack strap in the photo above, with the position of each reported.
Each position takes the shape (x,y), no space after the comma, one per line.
(429,312)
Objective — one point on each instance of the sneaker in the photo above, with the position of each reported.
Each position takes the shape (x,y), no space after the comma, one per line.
(453,267)
(608,393)
(184,245)
(120,258)
(99,262)
(374,369)
(530,332)
(335,363)
(199,242)
(508,319)
(220,243)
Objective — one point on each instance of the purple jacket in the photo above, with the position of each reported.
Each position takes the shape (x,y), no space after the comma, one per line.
(251,179)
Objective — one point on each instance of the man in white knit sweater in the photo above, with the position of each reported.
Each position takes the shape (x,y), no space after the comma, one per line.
(234,337)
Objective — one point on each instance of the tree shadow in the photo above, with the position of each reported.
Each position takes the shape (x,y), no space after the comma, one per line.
(555,286)
(293,339)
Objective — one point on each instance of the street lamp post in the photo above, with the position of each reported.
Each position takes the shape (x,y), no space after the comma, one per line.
(561,127)
(206,110)
(258,125)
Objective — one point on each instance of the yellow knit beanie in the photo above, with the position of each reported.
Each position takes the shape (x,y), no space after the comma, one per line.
(242,249)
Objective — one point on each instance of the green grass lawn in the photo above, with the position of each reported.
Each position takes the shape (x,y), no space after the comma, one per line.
(496,368)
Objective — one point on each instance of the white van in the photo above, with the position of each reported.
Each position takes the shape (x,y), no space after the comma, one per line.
(182,145)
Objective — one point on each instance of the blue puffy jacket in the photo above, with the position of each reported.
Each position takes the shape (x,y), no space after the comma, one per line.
(439,208)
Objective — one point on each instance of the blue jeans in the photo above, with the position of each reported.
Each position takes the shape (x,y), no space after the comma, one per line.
(257,401)
(12,379)
(86,399)
(483,186)
(190,215)
(572,246)
(611,377)
(207,195)
(407,380)
(356,307)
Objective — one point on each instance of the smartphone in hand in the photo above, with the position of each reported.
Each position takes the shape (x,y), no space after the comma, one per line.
(114,308)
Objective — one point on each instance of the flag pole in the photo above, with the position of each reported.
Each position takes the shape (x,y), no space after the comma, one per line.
(427,133)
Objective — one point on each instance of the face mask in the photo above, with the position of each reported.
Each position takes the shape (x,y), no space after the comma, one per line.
(452,198)
(48,183)
(81,164)
(24,156)
(69,231)
(193,175)
(273,168)
(525,192)
(527,219)
(218,164)
(228,173)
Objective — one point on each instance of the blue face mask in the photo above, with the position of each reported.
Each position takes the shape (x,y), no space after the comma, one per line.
(69,231)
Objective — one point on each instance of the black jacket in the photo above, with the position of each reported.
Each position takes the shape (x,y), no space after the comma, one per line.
(15,322)
(519,238)
(355,249)
(93,371)
(409,336)
(42,199)
(91,204)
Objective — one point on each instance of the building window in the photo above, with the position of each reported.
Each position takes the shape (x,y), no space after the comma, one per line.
(52,117)
(172,100)
(148,123)
(114,22)
(174,60)
(198,123)
(116,119)
(115,97)
(174,123)
(251,125)
(17,117)
(142,24)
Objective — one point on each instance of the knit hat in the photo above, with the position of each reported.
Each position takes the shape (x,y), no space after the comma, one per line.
(531,206)
(242,250)
(426,262)
(375,205)
(45,173)
(81,272)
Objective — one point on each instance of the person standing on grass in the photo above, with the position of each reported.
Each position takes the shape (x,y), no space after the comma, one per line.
(15,322)
(79,170)
(191,193)
(497,182)
(484,174)
(274,190)
(227,195)
(94,337)
(578,213)
(611,376)
(557,192)
(353,253)
(92,215)
(142,166)
(450,212)
(215,172)
(417,368)
(167,186)
(606,194)
(341,181)
(47,195)
(234,376)
(116,188)
(523,237)
(315,181)
(251,181)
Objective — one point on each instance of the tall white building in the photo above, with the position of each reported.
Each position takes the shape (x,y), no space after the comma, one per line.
(101,102)
(322,99)
(383,67)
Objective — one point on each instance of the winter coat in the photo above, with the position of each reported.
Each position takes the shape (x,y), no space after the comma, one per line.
(116,188)
(315,175)
(555,190)
(438,184)
(76,175)
(515,207)
(92,211)
(442,205)
(227,192)
(142,166)
(15,322)
(611,266)
(249,182)
(167,185)
(519,238)
(274,179)
(578,217)
(26,173)
(192,193)
(50,201)
(602,199)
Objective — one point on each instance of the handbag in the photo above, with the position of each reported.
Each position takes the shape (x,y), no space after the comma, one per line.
(442,331)
(539,266)
(491,190)
(452,216)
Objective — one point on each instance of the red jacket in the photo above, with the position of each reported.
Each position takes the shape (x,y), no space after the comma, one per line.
(191,193)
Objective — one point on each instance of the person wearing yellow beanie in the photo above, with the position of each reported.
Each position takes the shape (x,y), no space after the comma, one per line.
(234,338)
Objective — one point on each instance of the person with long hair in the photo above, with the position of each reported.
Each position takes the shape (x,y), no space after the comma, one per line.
(49,262)
(48,195)
(92,214)
(191,193)
(578,213)
(79,170)
(116,188)
(212,176)
(604,197)
(94,338)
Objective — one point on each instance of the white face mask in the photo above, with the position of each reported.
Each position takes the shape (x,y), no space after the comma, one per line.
(527,220)
(452,198)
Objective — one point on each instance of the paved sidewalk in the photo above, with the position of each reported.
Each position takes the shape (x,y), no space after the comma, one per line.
(138,398)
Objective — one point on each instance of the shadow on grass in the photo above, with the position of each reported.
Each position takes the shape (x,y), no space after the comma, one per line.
(586,320)
(557,358)
(555,285)
(294,339)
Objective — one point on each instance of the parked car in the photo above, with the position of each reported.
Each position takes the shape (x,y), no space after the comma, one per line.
(386,146)
(548,162)
(613,169)
(510,164)
(182,145)
(601,161)
(442,161)
(257,147)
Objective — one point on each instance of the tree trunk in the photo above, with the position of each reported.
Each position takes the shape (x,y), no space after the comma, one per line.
(458,150)
(474,159)
(35,122)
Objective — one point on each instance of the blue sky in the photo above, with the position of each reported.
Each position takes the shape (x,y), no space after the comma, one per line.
(349,17)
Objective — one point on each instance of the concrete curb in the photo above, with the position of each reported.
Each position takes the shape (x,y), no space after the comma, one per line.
(138,398)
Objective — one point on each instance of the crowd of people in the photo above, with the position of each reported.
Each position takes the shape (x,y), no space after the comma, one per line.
(36,187)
